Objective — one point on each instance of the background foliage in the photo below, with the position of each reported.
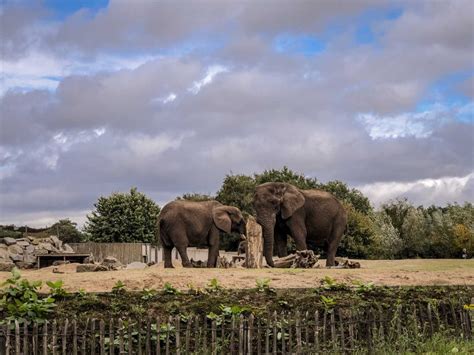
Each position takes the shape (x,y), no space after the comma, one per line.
(123,218)
(396,230)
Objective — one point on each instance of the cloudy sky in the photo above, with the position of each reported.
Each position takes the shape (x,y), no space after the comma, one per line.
(169,96)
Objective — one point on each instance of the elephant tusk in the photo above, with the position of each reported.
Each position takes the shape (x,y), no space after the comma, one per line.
(243,237)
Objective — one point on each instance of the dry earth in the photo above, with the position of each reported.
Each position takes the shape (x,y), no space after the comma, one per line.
(381,272)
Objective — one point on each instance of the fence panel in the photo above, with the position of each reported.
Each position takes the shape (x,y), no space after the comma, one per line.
(334,330)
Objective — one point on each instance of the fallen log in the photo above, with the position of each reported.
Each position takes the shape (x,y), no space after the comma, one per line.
(304,259)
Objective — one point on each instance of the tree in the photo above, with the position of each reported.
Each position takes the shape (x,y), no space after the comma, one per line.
(237,190)
(350,196)
(197,197)
(67,231)
(123,217)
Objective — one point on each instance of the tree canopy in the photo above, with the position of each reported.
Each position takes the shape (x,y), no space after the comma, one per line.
(123,217)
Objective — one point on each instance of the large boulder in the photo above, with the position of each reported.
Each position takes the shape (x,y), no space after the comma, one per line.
(29,258)
(15,249)
(136,265)
(56,241)
(22,243)
(9,241)
(4,254)
(91,268)
(112,263)
(6,266)
(67,249)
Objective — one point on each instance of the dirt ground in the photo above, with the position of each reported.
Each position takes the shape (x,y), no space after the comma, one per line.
(381,272)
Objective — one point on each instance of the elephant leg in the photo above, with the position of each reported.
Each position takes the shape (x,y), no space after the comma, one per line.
(184,255)
(298,232)
(213,248)
(167,256)
(333,242)
(281,240)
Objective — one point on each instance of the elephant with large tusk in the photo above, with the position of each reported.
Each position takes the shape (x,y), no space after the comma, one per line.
(308,216)
(189,223)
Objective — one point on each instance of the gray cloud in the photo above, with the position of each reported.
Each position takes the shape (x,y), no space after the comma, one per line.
(105,132)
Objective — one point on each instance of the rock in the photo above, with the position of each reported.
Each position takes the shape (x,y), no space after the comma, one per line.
(22,243)
(24,265)
(9,241)
(40,251)
(6,266)
(46,246)
(89,259)
(67,249)
(15,249)
(60,262)
(34,241)
(56,241)
(30,249)
(4,254)
(136,265)
(22,240)
(16,257)
(91,268)
(112,263)
(29,258)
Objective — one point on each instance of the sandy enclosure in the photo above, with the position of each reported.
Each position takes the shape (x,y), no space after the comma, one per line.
(381,272)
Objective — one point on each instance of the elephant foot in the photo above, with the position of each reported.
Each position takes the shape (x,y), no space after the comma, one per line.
(169,267)
(187,265)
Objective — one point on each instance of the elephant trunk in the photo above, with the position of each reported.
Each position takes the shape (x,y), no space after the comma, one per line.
(268,226)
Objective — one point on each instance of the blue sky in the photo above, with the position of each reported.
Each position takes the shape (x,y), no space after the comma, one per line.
(99,96)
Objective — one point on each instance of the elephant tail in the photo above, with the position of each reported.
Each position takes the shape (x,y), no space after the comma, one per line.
(162,233)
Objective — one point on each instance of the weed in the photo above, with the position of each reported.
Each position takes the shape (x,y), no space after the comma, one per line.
(148,294)
(119,287)
(56,288)
(362,287)
(328,302)
(20,300)
(328,283)
(263,285)
(170,290)
(213,286)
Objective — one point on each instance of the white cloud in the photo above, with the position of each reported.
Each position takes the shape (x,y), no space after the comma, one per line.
(210,74)
(40,70)
(145,146)
(423,191)
(415,124)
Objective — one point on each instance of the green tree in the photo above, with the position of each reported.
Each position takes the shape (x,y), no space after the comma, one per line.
(195,197)
(67,231)
(123,217)
(350,196)
(237,190)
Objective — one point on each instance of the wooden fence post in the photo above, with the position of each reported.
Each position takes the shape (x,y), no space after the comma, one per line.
(249,334)
(64,339)
(74,337)
(45,338)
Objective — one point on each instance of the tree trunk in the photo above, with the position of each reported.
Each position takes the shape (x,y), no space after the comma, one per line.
(254,249)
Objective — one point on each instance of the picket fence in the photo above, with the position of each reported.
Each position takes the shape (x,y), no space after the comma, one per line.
(331,330)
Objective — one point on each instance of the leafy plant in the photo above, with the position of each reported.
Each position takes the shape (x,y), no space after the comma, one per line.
(119,287)
(328,302)
(170,290)
(328,283)
(20,300)
(148,294)
(214,286)
(263,285)
(56,288)
(362,287)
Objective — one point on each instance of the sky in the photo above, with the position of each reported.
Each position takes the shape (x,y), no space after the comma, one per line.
(97,97)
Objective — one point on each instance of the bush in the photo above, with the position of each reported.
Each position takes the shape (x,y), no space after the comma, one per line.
(123,218)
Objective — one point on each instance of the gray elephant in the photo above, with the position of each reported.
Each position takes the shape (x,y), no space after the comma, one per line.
(312,217)
(188,223)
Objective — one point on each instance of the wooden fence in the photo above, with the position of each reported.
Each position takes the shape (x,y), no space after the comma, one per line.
(331,330)
(124,252)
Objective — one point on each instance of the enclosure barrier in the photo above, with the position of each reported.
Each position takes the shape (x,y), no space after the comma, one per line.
(330,330)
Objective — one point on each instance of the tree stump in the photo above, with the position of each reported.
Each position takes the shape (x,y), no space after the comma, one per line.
(254,247)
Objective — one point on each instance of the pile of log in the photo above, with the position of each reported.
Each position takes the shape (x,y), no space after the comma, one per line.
(222,263)
(343,263)
(304,259)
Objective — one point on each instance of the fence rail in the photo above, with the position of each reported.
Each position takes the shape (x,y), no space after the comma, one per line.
(339,329)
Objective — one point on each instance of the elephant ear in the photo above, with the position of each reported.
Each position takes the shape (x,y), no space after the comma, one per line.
(221,219)
(292,200)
